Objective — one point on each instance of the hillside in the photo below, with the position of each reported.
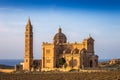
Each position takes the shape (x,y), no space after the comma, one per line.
(2,66)
(108,66)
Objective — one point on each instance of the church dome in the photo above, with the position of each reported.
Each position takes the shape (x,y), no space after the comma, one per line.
(59,37)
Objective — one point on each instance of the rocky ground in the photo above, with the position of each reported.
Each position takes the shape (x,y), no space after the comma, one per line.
(106,65)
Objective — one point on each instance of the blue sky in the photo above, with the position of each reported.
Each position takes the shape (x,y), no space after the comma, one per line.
(77,18)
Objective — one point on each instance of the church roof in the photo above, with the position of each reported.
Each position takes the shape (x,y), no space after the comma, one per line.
(29,22)
(90,38)
(60,36)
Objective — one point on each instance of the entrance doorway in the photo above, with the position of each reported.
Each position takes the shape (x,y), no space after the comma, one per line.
(91,63)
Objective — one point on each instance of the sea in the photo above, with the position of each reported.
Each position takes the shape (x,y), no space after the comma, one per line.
(12,62)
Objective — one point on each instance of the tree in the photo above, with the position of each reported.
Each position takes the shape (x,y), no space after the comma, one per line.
(62,61)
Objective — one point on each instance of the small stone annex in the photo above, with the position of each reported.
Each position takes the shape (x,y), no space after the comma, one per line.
(59,54)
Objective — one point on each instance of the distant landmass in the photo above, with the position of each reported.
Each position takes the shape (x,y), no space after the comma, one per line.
(2,66)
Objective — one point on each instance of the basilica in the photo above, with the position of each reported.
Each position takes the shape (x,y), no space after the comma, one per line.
(59,54)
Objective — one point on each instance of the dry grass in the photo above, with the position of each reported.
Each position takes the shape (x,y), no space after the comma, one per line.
(112,75)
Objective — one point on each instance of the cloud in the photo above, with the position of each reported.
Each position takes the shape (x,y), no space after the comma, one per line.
(10,10)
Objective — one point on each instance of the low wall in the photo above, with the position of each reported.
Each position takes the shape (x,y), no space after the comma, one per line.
(78,70)
(6,70)
(89,71)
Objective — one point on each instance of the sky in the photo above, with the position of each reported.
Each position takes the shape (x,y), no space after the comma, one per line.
(77,18)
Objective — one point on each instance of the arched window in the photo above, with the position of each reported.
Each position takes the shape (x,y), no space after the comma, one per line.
(26,60)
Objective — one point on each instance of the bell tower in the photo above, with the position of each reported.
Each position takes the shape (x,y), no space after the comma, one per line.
(28,56)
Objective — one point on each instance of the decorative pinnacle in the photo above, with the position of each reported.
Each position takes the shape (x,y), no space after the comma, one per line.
(59,30)
(89,35)
(29,22)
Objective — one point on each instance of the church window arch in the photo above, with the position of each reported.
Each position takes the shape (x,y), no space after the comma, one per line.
(26,60)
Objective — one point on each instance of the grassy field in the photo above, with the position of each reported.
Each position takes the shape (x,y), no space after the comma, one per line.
(111,75)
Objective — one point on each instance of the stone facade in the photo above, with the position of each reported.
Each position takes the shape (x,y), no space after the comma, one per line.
(59,54)
(28,57)
(76,55)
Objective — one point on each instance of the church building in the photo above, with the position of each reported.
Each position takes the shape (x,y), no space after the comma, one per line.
(59,54)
